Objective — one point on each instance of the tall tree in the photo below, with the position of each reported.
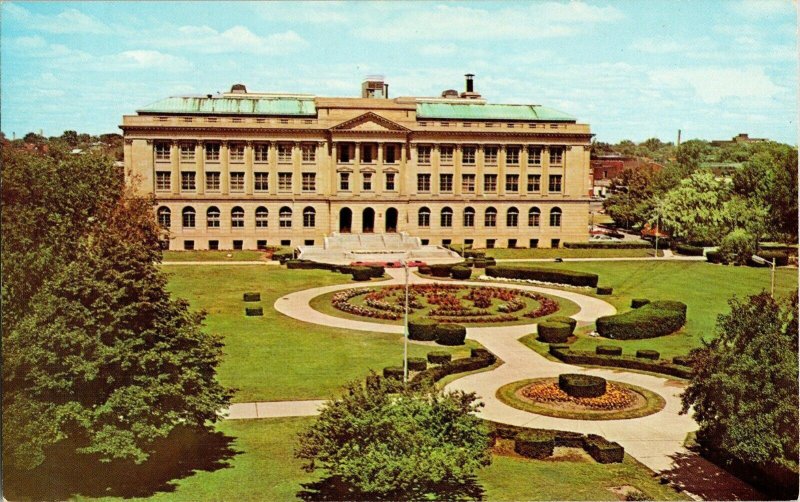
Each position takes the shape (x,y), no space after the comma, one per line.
(694,210)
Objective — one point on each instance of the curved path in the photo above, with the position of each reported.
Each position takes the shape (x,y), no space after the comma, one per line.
(655,440)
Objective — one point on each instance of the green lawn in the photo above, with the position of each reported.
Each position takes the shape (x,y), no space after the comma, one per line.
(213,256)
(264,468)
(704,287)
(276,357)
(525,253)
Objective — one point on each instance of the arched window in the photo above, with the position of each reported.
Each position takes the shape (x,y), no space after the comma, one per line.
(212,217)
(164,216)
(262,217)
(237,217)
(424,217)
(534,216)
(285,217)
(469,217)
(188,217)
(309,217)
(446,217)
(555,217)
(512,217)
(490,217)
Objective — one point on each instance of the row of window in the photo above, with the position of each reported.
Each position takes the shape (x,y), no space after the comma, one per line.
(213,217)
(512,181)
(187,151)
(489,217)
(236,181)
(490,154)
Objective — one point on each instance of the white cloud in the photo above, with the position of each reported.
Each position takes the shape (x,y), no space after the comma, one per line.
(762,8)
(661,45)
(712,85)
(37,47)
(435,50)
(67,21)
(238,39)
(144,59)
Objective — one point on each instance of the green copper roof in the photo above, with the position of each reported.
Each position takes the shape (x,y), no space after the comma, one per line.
(490,112)
(226,106)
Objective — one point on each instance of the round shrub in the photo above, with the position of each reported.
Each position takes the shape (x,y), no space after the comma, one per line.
(554,332)
(423,330)
(737,247)
(254,311)
(440,270)
(648,354)
(558,346)
(252,297)
(577,385)
(417,364)
(566,320)
(461,273)
(424,270)
(608,350)
(682,361)
(450,334)
(395,372)
(361,273)
(604,290)
(639,302)
(534,444)
(439,357)
(479,263)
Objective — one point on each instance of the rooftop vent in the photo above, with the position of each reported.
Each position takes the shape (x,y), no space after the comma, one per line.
(238,89)
(450,93)
(470,92)
(374,87)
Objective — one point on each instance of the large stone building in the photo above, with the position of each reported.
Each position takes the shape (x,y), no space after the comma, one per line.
(247,170)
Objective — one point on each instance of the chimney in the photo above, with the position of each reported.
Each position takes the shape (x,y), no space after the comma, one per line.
(238,89)
(469,82)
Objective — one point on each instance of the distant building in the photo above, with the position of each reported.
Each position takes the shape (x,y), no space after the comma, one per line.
(739,138)
(607,168)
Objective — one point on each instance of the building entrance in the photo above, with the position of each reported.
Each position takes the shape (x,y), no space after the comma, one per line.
(368,220)
(345,220)
(391,220)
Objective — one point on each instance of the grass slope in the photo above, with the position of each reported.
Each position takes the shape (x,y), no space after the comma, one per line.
(542,253)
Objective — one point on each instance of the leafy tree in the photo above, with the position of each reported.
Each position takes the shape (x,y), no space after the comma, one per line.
(70,137)
(694,211)
(745,389)
(392,441)
(692,153)
(737,247)
(630,198)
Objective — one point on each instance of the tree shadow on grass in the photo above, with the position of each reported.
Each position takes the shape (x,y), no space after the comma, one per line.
(334,488)
(703,478)
(65,474)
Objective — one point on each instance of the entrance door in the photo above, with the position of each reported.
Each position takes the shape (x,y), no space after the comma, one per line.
(368,221)
(345,220)
(391,220)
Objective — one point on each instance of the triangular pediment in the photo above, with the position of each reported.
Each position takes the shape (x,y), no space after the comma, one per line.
(369,122)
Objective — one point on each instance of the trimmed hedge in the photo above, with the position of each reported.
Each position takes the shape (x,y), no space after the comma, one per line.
(714,256)
(608,350)
(417,364)
(283,256)
(688,250)
(440,270)
(423,330)
(553,332)
(376,271)
(558,346)
(424,270)
(649,321)
(604,290)
(533,444)
(362,273)
(569,277)
(478,255)
(639,302)
(439,357)
(602,450)
(395,372)
(456,366)
(648,354)
(254,311)
(559,438)
(682,361)
(579,385)
(590,358)
(608,245)
(479,263)
(252,297)
(450,334)
(461,273)
(566,320)
(781,258)
(476,352)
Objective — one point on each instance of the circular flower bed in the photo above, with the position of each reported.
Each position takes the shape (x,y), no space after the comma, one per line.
(615,397)
(445,303)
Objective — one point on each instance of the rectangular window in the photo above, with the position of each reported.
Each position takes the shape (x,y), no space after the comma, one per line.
(188,245)
(261,152)
(236,153)
(423,155)
(188,182)
(555,243)
(490,155)
(309,182)
(534,155)
(344,152)
(489,182)
(261,182)
(284,152)
(512,155)
(423,182)
(556,155)
(391,154)
(285,182)
(213,245)
(445,182)
(309,153)
(187,153)
(446,154)
(261,245)
(212,181)
(367,154)
(237,244)
(162,151)
(533,243)
(366,179)
(512,182)
(237,182)
(344,181)
(390,182)
(490,243)
(468,183)
(534,182)
(555,183)
(468,155)
(163,180)
(212,152)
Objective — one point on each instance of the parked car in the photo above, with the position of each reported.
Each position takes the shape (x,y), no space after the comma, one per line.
(417,263)
(604,237)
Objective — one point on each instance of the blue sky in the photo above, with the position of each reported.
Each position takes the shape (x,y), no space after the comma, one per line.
(632,69)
